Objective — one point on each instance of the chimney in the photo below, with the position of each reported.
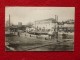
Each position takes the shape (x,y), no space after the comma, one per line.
(9,20)
(56,18)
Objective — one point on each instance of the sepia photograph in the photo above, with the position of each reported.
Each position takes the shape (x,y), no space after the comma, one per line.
(39,28)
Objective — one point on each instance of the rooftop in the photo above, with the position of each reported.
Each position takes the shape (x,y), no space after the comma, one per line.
(50,19)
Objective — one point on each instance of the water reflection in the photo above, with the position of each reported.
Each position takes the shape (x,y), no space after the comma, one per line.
(28,46)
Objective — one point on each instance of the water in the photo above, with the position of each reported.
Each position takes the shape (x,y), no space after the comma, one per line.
(33,44)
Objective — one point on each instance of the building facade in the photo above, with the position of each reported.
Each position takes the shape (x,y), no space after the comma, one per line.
(46,24)
(67,26)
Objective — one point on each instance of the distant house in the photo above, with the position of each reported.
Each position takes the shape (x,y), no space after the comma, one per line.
(60,26)
(14,28)
(67,26)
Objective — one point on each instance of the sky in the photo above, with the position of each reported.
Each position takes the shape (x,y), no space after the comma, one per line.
(31,14)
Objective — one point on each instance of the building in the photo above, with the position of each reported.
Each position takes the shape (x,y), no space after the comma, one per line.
(46,24)
(60,26)
(19,24)
(67,26)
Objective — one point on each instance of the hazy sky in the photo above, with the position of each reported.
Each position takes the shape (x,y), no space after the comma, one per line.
(30,14)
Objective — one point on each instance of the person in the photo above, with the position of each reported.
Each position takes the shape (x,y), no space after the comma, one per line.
(63,36)
(51,34)
(18,33)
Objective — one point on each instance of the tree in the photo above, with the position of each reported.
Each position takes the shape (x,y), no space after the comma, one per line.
(30,25)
